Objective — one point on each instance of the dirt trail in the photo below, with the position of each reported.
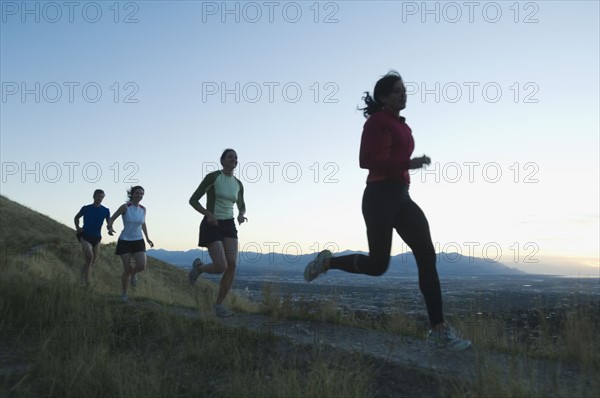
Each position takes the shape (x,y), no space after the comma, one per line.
(409,353)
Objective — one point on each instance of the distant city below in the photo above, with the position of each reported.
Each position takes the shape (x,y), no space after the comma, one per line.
(402,264)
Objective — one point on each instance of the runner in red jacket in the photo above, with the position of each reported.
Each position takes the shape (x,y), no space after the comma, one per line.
(386,148)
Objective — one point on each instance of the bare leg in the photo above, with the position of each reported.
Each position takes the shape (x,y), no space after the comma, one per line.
(231,251)
(140,262)
(216,252)
(88,254)
(95,251)
(127,270)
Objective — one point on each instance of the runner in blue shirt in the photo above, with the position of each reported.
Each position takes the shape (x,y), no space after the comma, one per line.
(89,236)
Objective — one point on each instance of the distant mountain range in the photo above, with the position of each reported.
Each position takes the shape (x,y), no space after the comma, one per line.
(451,264)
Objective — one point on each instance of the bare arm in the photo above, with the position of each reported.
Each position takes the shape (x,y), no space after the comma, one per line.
(77,218)
(145,230)
(116,215)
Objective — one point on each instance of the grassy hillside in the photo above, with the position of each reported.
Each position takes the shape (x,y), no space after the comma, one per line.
(34,245)
(21,227)
(60,339)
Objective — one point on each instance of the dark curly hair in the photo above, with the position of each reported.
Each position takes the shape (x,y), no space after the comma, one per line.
(383,87)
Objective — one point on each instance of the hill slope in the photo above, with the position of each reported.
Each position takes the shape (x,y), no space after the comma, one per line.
(23,228)
(32,243)
(62,340)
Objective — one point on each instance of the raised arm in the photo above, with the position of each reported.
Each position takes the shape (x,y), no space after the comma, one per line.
(109,224)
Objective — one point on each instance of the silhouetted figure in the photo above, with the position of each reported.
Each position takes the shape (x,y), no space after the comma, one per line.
(386,148)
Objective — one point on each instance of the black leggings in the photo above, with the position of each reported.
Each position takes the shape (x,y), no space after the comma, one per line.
(387,206)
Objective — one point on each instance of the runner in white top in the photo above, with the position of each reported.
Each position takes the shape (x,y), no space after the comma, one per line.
(131,240)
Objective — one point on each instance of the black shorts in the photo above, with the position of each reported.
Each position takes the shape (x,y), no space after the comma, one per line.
(209,233)
(92,239)
(130,246)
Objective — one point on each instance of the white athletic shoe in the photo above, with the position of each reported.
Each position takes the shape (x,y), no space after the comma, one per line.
(448,339)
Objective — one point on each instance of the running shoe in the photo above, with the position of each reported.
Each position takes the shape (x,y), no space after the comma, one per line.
(447,338)
(222,312)
(315,267)
(134,280)
(195,271)
(124,298)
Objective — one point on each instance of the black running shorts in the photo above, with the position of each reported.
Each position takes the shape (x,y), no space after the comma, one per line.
(130,246)
(92,239)
(210,233)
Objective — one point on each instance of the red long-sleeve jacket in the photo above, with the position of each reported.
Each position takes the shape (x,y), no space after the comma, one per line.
(386,146)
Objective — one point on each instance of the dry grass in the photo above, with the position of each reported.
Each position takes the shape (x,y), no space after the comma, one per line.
(60,339)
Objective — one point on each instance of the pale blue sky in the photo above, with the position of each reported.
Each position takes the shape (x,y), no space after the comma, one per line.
(158,122)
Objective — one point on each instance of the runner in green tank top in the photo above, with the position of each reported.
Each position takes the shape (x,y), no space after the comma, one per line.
(217,229)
